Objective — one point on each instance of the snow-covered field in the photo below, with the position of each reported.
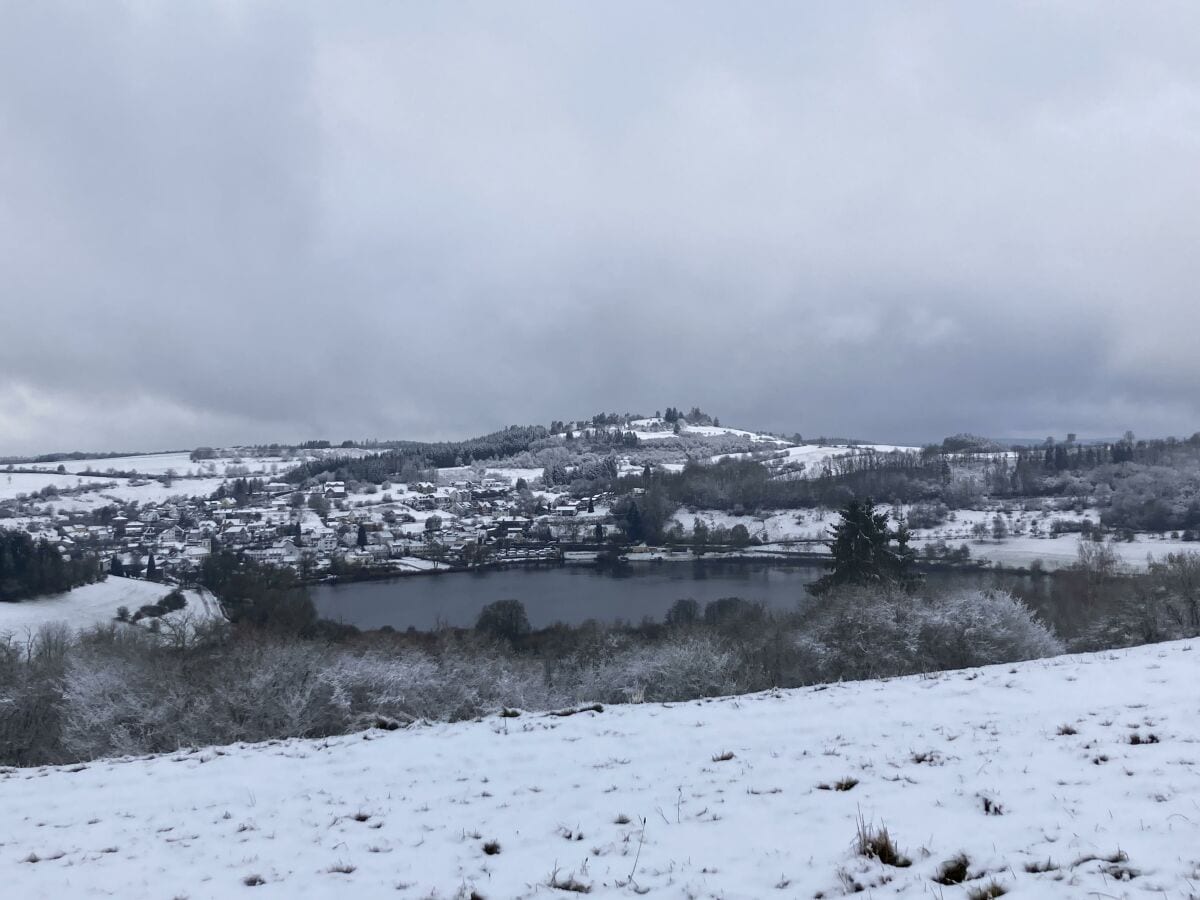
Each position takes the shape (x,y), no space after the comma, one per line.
(1017,550)
(146,464)
(814,456)
(114,489)
(155,464)
(96,604)
(157,492)
(657,429)
(1063,551)
(13,484)
(1030,771)
(790,525)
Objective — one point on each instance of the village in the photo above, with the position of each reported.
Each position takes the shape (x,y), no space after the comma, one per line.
(329,530)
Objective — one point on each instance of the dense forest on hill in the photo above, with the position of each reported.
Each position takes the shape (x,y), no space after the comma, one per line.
(415,457)
(29,568)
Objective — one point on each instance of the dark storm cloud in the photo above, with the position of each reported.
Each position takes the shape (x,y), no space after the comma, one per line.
(230,221)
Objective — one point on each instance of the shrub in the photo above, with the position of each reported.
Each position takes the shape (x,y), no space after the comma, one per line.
(683,612)
(858,633)
(927,515)
(1164,605)
(730,613)
(679,668)
(503,620)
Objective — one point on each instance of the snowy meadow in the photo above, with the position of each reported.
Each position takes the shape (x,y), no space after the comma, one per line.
(1071,777)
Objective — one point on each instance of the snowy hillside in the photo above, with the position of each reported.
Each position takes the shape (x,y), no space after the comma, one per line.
(181,463)
(1070,777)
(97,604)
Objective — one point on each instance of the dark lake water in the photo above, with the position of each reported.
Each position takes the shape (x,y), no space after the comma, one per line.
(574,594)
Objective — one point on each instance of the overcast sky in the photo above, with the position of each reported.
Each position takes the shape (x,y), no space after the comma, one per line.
(231,221)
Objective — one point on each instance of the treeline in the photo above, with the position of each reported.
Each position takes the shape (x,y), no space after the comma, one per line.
(592,472)
(695,416)
(1142,486)
(414,456)
(239,490)
(259,595)
(70,456)
(600,439)
(745,486)
(1158,490)
(599,420)
(30,568)
(1157,452)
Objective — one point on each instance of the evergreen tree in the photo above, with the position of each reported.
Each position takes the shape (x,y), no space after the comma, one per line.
(31,568)
(865,551)
(633,524)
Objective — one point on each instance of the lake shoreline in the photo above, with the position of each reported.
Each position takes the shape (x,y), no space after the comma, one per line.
(655,558)
(635,591)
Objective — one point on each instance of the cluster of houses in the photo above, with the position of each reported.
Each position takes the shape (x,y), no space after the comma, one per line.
(407,527)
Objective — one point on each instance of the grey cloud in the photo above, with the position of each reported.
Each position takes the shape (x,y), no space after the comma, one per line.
(224,222)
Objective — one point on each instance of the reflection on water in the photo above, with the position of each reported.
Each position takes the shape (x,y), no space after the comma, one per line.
(632,593)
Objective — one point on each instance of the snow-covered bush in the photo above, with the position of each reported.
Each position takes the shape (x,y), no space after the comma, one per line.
(870,633)
(681,668)
(978,627)
(31,673)
(857,633)
(450,686)
(927,515)
(136,697)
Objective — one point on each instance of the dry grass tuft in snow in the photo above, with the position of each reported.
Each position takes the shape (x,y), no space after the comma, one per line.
(877,843)
(955,870)
(988,891)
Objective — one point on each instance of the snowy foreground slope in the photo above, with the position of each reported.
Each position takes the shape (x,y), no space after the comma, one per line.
(408,813)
